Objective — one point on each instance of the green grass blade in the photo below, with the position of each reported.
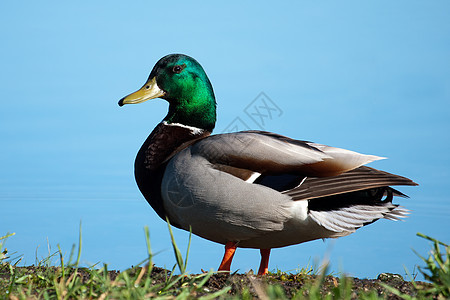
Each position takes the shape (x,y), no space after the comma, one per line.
(431,239)
(206,276)
(188,247)
(216,294)
(176,250)
(149,249)
(7,236)
(61,260)
(80,243)
(396,292)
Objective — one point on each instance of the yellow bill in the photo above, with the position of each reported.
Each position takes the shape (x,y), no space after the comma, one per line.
(150,90)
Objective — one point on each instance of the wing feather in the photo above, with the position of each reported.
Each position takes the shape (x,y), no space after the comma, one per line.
(361,178)
(269,153)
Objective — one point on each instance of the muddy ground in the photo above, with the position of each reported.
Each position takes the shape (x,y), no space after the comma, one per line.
(256,285)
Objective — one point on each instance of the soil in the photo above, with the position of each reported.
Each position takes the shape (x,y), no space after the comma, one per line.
(255,285)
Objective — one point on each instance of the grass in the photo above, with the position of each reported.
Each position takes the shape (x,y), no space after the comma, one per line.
(68,280)
(436,271)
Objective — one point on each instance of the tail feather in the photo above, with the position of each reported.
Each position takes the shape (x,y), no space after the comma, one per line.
(397,214)
(344,213)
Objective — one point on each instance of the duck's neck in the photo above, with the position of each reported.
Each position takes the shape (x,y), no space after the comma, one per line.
(165,141)
(195,107)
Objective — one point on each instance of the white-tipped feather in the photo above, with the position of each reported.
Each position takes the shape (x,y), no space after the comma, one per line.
(253,177)
(348,219)
(345,159)
(294,150)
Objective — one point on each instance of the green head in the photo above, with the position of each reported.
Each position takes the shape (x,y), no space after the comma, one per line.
(181,81)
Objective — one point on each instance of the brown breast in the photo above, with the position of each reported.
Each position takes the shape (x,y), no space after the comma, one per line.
(163,143)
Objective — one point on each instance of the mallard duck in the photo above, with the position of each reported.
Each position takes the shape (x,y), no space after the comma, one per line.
(249,189)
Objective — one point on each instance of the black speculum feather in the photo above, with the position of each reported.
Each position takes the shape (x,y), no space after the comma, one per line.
(280,183)
(373,197)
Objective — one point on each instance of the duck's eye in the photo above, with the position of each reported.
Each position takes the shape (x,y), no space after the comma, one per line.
(178,68)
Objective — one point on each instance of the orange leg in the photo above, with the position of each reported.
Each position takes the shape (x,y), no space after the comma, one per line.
(230,248)
(264,265)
